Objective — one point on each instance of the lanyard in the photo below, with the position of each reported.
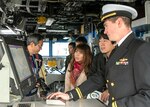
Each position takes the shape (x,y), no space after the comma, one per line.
(35,67)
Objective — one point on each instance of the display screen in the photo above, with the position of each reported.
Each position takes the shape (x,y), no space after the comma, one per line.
(60,49)
(45,49)
(15,61)
(20,61)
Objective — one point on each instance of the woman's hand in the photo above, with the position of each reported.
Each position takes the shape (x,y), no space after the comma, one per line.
(57,95)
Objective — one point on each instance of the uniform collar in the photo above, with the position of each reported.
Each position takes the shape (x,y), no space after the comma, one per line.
(121,41)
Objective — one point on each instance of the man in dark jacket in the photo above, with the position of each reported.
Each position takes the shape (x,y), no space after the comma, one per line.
(34,44)
(128,68)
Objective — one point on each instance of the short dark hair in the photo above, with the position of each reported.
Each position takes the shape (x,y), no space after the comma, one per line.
(72,44)
(81,39)
(102,35)
(35,38)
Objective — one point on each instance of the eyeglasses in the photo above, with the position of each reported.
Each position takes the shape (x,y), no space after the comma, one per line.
(39,46)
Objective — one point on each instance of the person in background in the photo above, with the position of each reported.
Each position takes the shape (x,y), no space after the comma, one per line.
(127,70)
(99,61)
(106,47)
(79,67)
(34,44)
(80,40)
(71,48)
(36,58)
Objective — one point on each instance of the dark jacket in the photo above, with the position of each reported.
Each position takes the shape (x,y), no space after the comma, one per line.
(98,64)
(127,75)
(36,61)
(36,64)
(68,59)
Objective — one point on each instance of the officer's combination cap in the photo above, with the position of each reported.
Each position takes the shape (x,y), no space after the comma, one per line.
(111,10)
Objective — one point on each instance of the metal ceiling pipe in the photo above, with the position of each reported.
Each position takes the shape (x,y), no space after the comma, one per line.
(54,1)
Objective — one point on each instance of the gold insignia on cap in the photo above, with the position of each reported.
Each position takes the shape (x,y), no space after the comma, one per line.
(108,15)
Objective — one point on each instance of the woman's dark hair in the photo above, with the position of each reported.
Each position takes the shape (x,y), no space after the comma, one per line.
(85,49)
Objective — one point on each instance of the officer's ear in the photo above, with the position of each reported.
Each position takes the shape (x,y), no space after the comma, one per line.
(119,22)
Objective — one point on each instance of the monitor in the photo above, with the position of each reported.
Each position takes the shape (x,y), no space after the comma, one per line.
(22,79)
(45,49)
(60,49)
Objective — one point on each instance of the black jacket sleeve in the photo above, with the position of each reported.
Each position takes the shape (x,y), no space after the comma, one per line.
(93,83)
(98,64)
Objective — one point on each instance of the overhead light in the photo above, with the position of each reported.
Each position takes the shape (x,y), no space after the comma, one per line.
(41,28)
(49,21)
(59,31)
(66,37)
